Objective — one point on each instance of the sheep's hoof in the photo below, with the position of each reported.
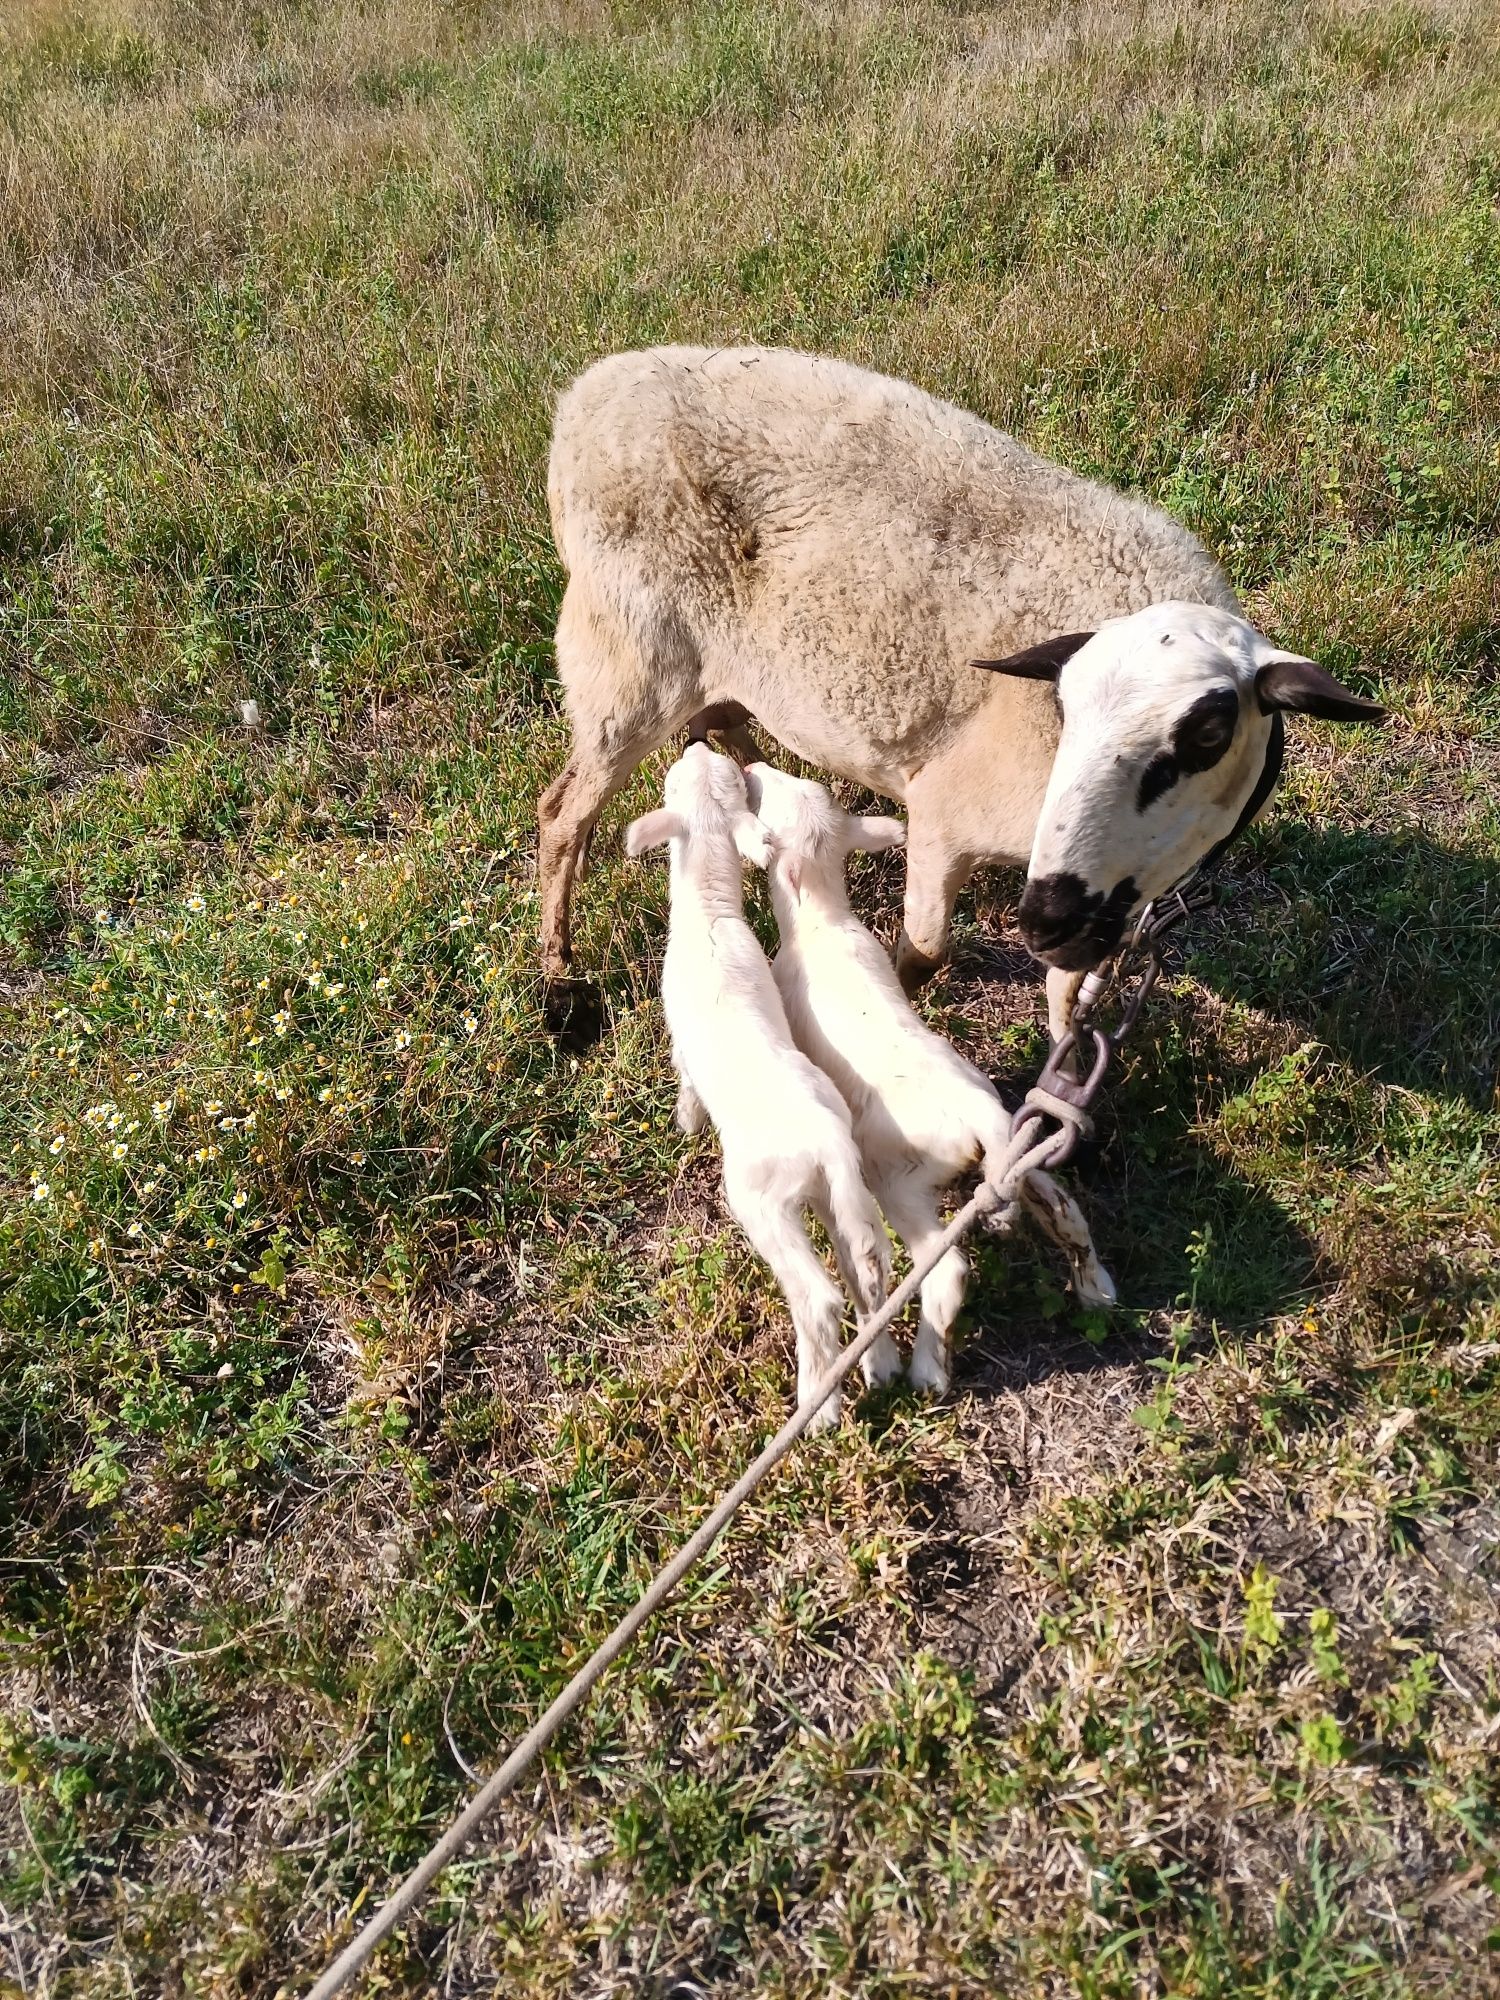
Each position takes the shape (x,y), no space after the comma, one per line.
(573,1010)
(913,968)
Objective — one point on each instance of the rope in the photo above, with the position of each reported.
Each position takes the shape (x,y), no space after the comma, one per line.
(1020,1158)
(1060,1108)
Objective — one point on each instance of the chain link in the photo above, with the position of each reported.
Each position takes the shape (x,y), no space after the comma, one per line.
(1066,1088)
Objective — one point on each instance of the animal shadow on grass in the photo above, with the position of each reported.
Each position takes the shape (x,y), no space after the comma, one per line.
(1385,948)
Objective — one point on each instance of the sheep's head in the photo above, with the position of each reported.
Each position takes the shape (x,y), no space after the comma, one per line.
(1171,743)
(704,793)
(807,827)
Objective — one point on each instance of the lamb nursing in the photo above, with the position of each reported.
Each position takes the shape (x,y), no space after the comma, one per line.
(819,1078)
(753,531)
(783,1127)
(922,1115)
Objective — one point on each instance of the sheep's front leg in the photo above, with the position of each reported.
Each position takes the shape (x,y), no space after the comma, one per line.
(935,873)
(1062,993)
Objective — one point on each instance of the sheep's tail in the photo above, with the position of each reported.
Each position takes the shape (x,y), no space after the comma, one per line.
(853,1222)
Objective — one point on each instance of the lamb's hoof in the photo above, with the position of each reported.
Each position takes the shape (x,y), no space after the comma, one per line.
(929,1373)
(913,968)
(690,1114)
(827,1418)
(573,1011)
(882,1361)
(1095,1288)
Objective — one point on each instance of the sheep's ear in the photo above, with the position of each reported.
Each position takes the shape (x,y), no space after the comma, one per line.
(653,829)
(873,833)
(1288,681)
(752,839)
(1038,663)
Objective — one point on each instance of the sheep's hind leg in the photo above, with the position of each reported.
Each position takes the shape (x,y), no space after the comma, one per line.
(566,813)
(608,676)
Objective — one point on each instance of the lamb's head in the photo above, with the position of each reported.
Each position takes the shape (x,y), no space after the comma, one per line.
(1171,743)
(809,831)
(704,795)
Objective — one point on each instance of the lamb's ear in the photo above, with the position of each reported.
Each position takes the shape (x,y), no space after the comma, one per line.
(653,829)
(1038,663)
(752,839)
(1288,681)
(873,833)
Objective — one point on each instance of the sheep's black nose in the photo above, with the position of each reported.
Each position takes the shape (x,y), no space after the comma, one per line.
(1054,908)
(1070,925)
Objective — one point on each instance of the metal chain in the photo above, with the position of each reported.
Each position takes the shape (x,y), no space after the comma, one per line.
(1065,1089)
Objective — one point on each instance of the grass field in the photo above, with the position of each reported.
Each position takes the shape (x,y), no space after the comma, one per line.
(361,1351)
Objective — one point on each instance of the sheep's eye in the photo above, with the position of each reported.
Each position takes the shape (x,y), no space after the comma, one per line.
(1213,733)
(1205,732)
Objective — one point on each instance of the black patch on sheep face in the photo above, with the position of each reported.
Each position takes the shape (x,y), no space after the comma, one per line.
(1159,776)
(1201,735)
(1069,925)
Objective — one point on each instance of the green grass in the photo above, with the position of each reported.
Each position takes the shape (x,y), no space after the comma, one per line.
(362,1352)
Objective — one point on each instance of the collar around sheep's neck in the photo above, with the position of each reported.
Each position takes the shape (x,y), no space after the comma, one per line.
(1265,784)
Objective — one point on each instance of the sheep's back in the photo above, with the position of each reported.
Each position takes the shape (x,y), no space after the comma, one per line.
(807,518)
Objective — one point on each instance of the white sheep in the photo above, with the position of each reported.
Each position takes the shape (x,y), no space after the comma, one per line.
(784,1129)
(922,1115)
(751,530)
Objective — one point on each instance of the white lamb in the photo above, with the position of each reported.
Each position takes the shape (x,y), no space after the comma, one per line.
(922,1115)
(785,1131)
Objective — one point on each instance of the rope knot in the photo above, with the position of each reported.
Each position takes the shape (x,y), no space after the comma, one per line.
(1059,1108)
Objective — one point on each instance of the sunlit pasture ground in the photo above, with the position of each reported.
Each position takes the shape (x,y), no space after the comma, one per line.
(362,1350)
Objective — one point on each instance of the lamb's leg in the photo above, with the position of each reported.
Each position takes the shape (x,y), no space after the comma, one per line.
(934,875)
(816,1304)
(691,1115)
(1062,1221)
(864,1256)
(911,1207)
